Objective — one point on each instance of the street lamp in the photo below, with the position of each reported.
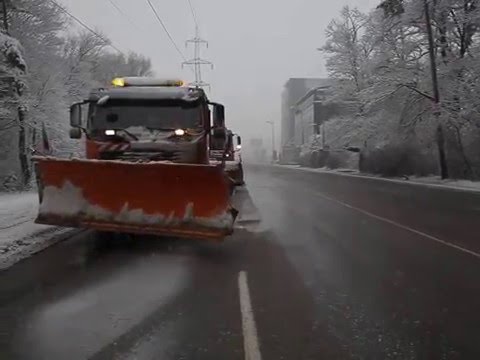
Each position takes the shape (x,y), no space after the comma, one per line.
(274,153)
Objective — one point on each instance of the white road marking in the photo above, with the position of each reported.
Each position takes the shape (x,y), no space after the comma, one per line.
(250,338)
(417,232)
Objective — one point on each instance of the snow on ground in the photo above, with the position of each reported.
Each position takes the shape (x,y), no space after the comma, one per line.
(321,170)
(436,180)
(433,181)
(19,236)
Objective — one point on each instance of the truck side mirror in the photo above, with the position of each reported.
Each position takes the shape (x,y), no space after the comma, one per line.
(239,140)
(75,133)
(76,116)
(219,133)
(219,115)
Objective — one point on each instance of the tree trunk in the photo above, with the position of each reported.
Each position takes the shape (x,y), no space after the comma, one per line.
(5,15)
(442,159)
(34,136)
(442,28)
(22,149)
(441,151)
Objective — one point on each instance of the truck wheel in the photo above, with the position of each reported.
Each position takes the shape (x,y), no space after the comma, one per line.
(105,238)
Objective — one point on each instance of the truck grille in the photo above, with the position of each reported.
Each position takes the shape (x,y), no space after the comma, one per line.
(174,156)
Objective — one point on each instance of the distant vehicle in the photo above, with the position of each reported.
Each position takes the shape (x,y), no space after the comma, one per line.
(147,167)
(233,160)
(230,154)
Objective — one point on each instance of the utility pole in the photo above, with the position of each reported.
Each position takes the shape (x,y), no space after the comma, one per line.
(323,135)
(436,94)
(197,62)
(274,153)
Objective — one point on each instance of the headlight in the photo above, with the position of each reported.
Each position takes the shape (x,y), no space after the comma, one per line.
(179,132)
(239,147)
(110,132)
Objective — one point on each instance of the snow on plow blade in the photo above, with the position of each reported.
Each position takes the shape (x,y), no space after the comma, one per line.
(147,198)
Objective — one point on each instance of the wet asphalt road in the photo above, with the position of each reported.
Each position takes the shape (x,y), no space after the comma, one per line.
(338,268)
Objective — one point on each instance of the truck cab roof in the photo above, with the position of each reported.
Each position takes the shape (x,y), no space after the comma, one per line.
(178,93)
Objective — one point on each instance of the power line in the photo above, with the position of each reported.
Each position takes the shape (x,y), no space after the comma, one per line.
(194,15)
(107,41)
(166,30)
(124,14)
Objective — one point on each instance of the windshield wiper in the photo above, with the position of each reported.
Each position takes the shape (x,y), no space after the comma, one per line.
(159,129)
(128,133)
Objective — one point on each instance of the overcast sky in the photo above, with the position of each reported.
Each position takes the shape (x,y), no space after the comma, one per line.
(256,45)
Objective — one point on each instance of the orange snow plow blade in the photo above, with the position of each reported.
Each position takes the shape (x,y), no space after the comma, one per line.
(147,198)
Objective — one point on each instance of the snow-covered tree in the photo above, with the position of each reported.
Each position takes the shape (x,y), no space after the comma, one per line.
(348,49)
(63,65)
(13,161)
(81,55)
(397,71)
(39,25)
(112,65)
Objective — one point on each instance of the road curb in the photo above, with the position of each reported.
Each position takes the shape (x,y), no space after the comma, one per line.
(376,178)
(39,242)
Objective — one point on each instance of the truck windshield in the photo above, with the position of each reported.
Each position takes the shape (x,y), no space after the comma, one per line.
(152,116)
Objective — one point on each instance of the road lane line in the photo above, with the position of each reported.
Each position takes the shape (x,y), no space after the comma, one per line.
(250,338)
(391,222)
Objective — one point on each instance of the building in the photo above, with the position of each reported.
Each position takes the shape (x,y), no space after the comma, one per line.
(315,108)
(293,90)
(310,112)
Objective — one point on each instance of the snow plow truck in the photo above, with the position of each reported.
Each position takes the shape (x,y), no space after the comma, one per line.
(147,168)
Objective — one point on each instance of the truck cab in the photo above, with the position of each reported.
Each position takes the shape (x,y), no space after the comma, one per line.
(145,119)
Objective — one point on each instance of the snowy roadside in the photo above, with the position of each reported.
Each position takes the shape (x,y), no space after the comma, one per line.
(432,181)
(19,236)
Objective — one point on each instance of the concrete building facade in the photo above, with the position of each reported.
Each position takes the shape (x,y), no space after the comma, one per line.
(293,90)
(314,109)
(311,112)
